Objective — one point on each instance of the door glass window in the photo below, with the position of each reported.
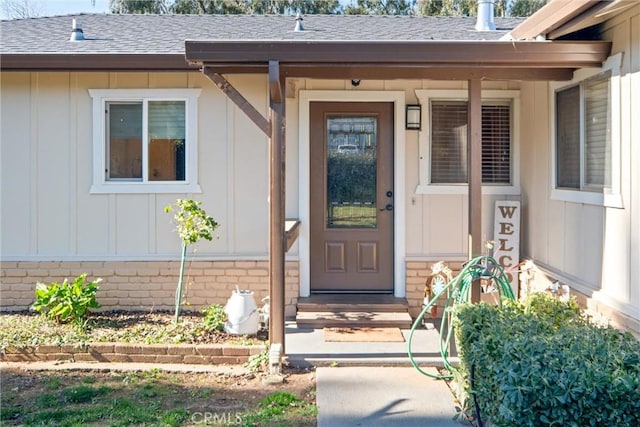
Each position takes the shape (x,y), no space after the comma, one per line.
(351,171)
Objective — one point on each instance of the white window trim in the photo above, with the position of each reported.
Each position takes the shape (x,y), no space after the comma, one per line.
(424,138)
(609,197)
(100,98)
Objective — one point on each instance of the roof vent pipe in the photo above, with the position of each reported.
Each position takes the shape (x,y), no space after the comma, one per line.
(299,26)
(76,32)
(485,16)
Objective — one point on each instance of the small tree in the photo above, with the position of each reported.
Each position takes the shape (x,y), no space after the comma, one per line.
(192,224)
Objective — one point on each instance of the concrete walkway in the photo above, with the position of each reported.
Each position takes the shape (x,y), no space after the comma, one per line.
(383,396)
(373,383)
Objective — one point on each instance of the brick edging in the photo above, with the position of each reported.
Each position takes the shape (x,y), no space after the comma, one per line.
(199,354)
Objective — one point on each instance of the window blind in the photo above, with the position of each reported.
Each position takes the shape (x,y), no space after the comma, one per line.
(449,146)
(597,151)
(568,137)
(448,142)
(496,144)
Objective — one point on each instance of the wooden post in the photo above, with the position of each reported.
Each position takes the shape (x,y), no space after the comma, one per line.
(277,245)
(475,176)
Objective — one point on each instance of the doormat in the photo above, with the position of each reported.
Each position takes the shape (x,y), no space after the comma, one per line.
(363,335)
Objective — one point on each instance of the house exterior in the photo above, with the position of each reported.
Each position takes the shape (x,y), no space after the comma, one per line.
(552,120)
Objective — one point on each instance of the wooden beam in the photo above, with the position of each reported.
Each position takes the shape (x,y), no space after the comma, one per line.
(237,98)
(388,71)
(277,241)
(475,177)
(291,231)
(275,90)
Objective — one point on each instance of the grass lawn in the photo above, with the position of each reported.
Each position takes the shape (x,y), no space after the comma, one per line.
(153,398)
(149,398)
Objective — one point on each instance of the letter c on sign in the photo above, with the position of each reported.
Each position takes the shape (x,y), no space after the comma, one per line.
(503,263)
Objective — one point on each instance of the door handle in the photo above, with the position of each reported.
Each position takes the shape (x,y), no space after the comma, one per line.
(387,207)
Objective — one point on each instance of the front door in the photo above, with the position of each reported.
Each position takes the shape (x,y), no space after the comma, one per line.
(351,196)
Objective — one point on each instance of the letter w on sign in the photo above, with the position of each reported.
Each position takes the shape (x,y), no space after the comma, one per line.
(506,232)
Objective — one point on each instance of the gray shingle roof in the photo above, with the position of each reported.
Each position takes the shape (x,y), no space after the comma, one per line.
(149,34)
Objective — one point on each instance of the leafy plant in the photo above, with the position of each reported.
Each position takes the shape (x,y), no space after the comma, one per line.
(258,362)
(67,301)
(214,317)
(192,224)
(541,363)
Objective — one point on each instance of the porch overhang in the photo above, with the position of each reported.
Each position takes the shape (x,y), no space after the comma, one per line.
(440,60)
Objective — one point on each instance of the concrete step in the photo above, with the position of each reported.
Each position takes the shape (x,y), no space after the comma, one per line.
(338,303)
(353,319)
(350,306)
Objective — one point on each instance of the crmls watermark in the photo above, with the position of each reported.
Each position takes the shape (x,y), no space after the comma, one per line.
(217,418)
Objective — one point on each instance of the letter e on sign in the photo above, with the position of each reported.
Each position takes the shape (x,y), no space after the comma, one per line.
(506,230)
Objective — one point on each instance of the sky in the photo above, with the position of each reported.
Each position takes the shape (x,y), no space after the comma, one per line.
(64,7)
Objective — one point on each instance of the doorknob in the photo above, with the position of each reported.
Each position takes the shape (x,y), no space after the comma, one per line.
(387,207)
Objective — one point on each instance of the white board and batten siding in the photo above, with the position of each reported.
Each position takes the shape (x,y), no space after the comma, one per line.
(48,212)
(595,248)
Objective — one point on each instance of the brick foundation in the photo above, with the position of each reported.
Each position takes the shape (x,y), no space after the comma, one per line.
(148,285)
(215,354)
(417,274)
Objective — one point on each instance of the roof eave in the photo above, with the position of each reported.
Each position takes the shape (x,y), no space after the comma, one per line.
(561,17)
(343,59)
(530,54)
(94,62)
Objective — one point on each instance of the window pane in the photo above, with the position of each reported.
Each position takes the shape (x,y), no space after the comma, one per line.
(351,172)
(448,142)
(125,140)
(568,137)
(496,144)
(166,140)
(597,154)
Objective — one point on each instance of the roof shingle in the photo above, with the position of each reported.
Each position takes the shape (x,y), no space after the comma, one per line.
(165,34)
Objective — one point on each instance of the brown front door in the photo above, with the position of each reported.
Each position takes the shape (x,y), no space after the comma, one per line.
(351,196)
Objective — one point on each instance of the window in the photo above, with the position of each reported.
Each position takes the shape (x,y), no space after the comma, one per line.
(586,136)
(583,153)
(444,147)
(449,143)
(145,140)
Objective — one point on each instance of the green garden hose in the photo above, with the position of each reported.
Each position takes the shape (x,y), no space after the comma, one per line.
(458,291)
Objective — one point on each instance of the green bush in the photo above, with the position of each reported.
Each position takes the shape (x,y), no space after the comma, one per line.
(541,363)
(67,302)
(214,317)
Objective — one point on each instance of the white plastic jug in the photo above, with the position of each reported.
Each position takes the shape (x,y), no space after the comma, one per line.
(242,314)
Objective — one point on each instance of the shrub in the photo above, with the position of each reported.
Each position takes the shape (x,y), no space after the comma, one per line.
(67,302)
(541,363)
(214,317)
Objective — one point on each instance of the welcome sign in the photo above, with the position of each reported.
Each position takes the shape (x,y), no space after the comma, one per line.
(506,231)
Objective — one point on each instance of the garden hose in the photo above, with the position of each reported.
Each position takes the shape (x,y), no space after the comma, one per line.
(458,292)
